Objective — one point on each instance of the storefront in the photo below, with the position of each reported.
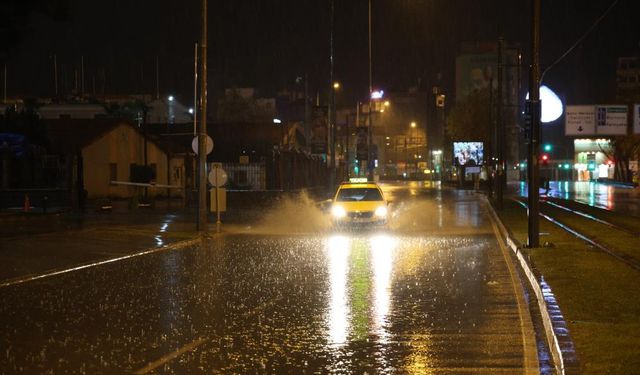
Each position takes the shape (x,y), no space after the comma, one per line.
(591,160)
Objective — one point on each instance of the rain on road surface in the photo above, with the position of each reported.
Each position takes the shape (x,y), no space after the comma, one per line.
(432,294)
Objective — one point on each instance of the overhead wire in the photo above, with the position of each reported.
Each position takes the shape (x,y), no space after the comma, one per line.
(577,42)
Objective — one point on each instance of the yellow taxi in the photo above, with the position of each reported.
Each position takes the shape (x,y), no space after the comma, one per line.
(359,202)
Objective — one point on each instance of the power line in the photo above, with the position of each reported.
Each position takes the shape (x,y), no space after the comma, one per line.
(589,30)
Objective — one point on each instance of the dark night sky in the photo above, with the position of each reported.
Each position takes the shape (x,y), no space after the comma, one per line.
(267,43)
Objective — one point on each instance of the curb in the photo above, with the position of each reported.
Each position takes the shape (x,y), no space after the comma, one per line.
(552,339)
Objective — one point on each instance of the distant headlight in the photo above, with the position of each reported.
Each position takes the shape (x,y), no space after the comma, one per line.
(338,212)
(381,211)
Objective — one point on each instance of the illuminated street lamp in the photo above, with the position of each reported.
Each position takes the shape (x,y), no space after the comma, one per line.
(336,85)
(413,124)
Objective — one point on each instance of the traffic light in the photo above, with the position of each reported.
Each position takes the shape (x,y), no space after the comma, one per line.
(544,159)
(547,147)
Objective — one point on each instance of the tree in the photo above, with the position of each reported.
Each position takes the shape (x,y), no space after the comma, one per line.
(233,107)
(470,119)
(623,149)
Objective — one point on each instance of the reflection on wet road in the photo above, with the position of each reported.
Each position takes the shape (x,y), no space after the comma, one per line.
(431,294)
(623,199)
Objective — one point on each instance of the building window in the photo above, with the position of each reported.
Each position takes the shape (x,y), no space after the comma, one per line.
(113,171)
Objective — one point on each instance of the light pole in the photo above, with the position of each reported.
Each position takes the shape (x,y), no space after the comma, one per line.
(331,111)
(370,135)
(534,134)
(202,133)
(414,144)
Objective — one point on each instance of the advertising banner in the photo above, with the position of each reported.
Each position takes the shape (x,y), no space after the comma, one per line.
(611,119)
(468,153)
(580,120)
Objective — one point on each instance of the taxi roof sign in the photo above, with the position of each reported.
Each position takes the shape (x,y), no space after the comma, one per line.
(356,180)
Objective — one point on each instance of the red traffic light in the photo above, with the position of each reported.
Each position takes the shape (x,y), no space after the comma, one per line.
(544,158)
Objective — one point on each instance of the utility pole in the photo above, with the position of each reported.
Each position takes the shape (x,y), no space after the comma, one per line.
(307,111)
(534,135)
(347,160)
(157,77)
(370,135)
(55,74)
(195,89)
(500,132)
(5,83)
(202,134)
(332,104)
(82,76)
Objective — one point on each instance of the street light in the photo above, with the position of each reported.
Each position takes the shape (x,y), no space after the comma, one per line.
(413,124)
(336,85)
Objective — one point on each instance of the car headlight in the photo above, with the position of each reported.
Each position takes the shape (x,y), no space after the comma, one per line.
(338,212)
(381,211)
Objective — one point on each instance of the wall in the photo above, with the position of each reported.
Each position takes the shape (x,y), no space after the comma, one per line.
(124,146)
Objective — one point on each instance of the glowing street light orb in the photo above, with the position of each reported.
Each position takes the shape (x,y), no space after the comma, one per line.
(551,105)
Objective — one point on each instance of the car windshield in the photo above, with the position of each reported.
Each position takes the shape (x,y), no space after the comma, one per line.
(359,194)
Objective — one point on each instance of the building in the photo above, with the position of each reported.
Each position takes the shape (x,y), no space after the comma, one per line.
(103,157)
(476,68)
(400,135)
(628,78)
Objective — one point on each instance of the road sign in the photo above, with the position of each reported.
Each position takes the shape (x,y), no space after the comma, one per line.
(611,119)
(208,143)
(217,176)
(580,120)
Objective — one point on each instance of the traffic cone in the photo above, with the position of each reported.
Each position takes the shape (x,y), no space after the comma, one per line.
(27,204)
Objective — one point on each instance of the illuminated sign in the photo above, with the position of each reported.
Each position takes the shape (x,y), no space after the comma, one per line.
(358,180)
(377,94)
(468,153)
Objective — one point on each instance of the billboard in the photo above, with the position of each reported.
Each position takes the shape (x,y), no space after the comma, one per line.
(468,154)
(611,119)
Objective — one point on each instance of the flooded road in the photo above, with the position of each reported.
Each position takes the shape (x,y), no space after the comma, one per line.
(430,294)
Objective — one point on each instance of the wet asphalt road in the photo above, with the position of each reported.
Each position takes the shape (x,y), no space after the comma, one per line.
(432,294)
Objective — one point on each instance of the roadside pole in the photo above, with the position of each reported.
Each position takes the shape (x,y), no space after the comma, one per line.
(202,134)
(534,134)
(500,133)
